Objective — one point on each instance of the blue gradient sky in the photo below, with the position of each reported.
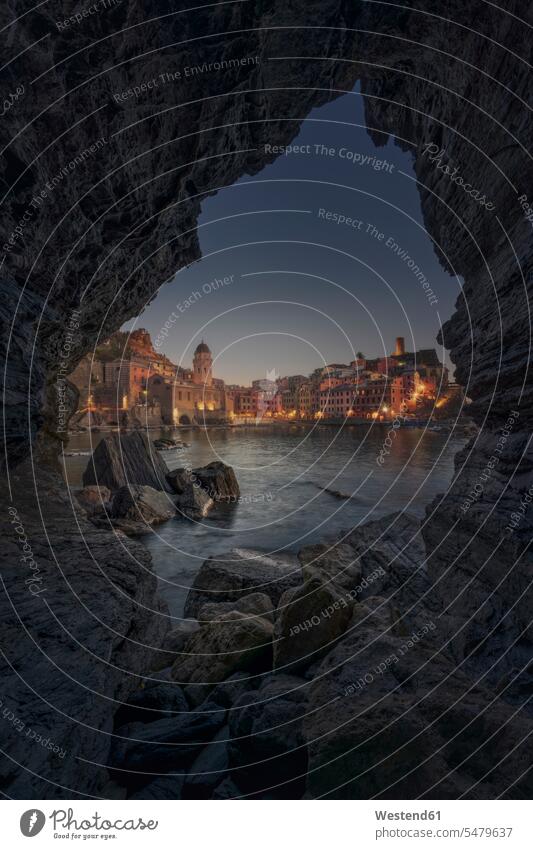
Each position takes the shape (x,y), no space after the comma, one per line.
(306,291)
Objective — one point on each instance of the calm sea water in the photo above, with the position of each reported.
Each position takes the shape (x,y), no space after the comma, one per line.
(282,472)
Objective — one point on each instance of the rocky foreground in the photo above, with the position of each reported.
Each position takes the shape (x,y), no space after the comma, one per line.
(319,675)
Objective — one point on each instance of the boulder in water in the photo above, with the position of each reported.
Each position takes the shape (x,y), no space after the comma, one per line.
(122,459)
(134,509)
(194,502)
(219,481)
(179,480)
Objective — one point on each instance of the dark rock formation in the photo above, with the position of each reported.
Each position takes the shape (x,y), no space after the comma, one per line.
(78,631)
(255,604)
(239,573)
(219,481)
(308,621)
(452,78)
(407,722)
(123,459)
(178,480)
(234,643)
(194,502)
(200,489)
(135,509)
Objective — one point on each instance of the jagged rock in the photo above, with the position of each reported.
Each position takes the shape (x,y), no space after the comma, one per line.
(142,503)
(241,572)
(135,509)
(179,479)
(308,621)
(267,747)
(123,459)
(115,619)
(194,502)
(392,557)
(209,768)
(405,719)
(219,481)
(236,642)
(255,604)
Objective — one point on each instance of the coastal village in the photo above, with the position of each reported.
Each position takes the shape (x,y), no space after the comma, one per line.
(127,383)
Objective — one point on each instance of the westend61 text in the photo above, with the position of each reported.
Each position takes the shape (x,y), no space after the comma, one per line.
(407,815)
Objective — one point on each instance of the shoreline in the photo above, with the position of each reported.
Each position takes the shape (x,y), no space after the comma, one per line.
(436,426)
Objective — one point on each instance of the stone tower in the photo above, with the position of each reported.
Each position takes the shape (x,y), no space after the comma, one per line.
(400,347)
(202,365)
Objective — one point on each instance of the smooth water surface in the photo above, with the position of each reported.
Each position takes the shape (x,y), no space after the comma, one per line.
(282,471)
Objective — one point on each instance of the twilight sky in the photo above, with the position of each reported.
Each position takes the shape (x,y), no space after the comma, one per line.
(303,289)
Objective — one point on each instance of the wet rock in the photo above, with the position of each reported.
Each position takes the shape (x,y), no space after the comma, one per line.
(142,502)
(240,572)
(123,459)
(236,642)
(219,481)
(194,502)
(178,480)
(135,509)
(309,619)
